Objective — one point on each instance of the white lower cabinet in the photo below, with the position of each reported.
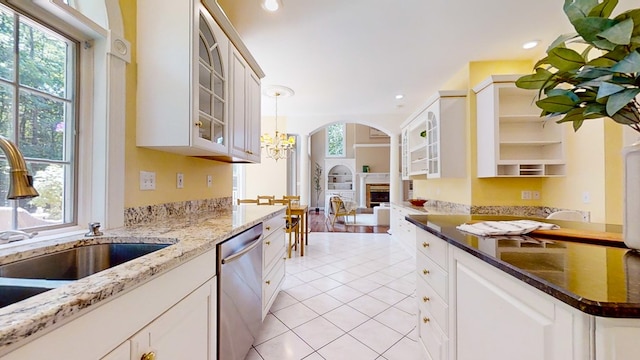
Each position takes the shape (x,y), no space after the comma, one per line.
(273,259)
(617,339)
(470,310)
(500,317)
(183,332)
(401,230)
(172,315)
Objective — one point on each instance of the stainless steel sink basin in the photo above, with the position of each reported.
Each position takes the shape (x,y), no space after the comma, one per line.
(10,294)
(25,278)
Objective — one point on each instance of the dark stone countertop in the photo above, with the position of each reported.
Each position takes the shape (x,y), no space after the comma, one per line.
(594,278)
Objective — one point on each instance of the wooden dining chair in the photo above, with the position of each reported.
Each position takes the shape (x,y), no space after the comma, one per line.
(292,224)
(247,201)
(265,199)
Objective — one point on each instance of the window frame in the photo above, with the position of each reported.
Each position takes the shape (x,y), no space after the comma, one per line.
(72,100)
(98,26)
(344,141)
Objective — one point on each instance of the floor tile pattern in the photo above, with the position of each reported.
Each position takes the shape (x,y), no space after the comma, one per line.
(352,296)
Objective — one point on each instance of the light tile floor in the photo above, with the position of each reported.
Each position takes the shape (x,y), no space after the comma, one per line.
(352,296)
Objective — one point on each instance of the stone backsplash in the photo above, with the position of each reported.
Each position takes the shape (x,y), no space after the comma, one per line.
(153,213)
(529,211)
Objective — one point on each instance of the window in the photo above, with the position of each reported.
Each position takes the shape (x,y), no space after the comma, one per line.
(38,112)
(336,144)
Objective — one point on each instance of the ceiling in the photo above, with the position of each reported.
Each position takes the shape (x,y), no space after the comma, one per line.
(351,57)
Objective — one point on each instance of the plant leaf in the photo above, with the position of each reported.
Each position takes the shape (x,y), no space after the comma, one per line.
(591,73)
(628,115)
(576,9)
(631,14)
(577,124)
(560,40)
(534,81)
(590,27)
(565,59)
(556,104)
(543,61)
(619,100)
(604,9)
(595,110)
(573,115)
(620,33)
(630,64)
(604,44)
(607,89)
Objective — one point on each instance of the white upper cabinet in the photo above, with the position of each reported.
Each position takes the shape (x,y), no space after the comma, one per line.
(187,82)
(244,109)
(433,138)
(513,140)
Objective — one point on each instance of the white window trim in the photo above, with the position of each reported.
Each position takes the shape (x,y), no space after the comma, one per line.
(344,141)
(101,141)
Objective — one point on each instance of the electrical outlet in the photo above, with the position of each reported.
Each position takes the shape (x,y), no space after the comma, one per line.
(209,180)
(180,181)
(586,197)
(535,195)
(147,180)
(525,195)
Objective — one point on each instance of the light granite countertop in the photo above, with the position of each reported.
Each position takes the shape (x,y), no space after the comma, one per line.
(190,235)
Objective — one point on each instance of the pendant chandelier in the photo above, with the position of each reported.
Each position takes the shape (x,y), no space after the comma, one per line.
(278,146)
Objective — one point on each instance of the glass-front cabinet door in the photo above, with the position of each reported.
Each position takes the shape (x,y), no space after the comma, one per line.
(433,145)
(211,122)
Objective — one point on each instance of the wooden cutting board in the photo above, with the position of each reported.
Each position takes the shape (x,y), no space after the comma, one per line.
(577,235)
(591,236)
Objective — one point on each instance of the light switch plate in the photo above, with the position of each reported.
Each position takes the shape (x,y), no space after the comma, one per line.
(180,181)
(147,180)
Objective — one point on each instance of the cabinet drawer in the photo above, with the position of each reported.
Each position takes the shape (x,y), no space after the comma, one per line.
(273,224)
(271,283)
(429,301)
(273,248)
(433,247)
(433,274)
(433,340)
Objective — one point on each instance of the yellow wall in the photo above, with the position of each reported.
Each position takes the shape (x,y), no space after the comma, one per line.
(165,165)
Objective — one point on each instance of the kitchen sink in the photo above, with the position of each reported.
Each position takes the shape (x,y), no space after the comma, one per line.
(25,278)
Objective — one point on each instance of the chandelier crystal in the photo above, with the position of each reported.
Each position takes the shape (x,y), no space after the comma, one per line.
(278,146)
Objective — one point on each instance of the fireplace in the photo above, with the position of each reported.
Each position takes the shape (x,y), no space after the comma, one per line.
(376,194)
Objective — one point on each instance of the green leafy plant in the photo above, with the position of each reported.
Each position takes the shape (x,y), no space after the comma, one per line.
(599,76)
(317,177)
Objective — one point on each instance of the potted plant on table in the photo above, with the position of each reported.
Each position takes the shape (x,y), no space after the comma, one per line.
(595,73)
(317,176)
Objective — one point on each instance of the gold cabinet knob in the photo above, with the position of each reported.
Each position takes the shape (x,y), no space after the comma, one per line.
(267,228)
(249,152)
(267,243)
(198,124)
(425,271)
(425,320)
(148,356)
(268,282)
(425,299)
(425,244)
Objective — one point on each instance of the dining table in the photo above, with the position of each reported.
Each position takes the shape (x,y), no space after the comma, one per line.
(302,210)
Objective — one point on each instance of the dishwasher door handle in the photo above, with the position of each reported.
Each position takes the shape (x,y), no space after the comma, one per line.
(248,248)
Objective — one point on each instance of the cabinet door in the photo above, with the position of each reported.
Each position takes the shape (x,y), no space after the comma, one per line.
(184,331)
(122,352)
(499,317)
(254,117)
(211,123)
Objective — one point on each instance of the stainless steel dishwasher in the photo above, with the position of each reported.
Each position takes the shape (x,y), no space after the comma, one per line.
(239,293)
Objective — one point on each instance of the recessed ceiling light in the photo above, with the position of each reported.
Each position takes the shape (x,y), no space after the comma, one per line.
(530,44)
(399,96)
(271,5)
